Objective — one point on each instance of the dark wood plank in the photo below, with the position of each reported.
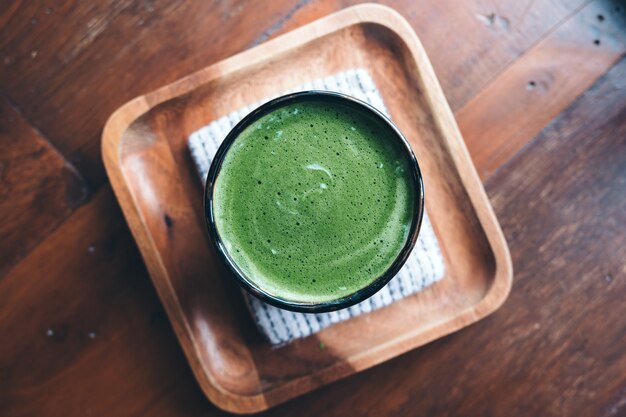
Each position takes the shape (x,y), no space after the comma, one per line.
(557,346)
(83,332)
(68,66)
(547,78)
(39,188)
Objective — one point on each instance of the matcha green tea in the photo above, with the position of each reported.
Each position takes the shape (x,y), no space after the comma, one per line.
(314,201)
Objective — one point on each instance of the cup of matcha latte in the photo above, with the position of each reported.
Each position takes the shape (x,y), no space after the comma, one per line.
(314,201)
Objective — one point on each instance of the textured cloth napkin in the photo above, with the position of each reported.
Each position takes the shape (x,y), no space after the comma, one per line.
(424,266)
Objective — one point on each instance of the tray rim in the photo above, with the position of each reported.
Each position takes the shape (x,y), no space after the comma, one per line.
(443,117)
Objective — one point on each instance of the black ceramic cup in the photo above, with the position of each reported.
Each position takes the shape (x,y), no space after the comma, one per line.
(247,282)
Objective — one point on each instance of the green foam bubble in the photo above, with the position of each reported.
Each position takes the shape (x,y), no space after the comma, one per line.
(314,201)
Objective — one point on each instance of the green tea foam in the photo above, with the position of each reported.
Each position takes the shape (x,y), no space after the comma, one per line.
(314,201)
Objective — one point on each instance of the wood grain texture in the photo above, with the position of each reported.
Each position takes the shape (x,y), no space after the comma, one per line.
(39,188)
(145,153)
(557,346)
(497,122)
(83,332)
(557,340)
(468,42)
(67,82)
(526,362)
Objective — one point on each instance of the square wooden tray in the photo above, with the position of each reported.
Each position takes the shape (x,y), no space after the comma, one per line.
(145,154)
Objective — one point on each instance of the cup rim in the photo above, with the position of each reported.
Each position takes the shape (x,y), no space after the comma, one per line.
(249,284)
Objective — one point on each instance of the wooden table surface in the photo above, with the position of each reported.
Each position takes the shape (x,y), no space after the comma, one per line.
(539,92)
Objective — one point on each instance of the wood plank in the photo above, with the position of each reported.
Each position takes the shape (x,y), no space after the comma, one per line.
(83,332)
(503,117)
(557,346)
(39,188)
(69,66)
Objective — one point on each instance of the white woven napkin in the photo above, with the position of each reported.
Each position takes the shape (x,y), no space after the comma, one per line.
(424,266)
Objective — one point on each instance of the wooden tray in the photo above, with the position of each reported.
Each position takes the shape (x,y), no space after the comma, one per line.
(144,150)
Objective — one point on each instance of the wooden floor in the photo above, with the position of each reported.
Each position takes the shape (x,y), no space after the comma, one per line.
(539,92)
